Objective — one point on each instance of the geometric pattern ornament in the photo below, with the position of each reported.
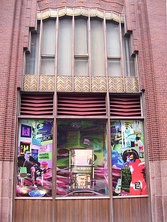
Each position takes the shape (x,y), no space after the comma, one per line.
(47,83)
(116,84)
(78,10)
(98,84)
(131,84)
(64,83)
(82,84)
(30,83)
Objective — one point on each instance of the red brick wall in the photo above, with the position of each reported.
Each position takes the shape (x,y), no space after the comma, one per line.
(156,12)
(16,18)
(116,5)
(7,80)
(150,22)
(146,20)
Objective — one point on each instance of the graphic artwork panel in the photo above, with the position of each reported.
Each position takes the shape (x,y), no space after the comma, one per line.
(128,158)
(34,161)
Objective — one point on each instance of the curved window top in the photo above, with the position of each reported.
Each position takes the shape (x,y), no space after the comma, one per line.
(108,15)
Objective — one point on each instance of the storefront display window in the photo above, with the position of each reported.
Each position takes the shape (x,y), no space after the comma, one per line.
(128,158)
(81,158)
(34,161)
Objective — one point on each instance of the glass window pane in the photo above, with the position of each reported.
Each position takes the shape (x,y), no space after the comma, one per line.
(47,66)
(128,158)
(129,61)
(114,67)
(125,56)
(65,47)
(48,37)
(113,40)
(132,66)
(48,47)
(81,33)
(81,158)
(32,57)
(97,48)
(34,162)
(81,67)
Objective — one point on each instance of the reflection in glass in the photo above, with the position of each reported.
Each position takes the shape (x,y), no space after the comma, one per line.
(86,176)
(128,158)
(34,161)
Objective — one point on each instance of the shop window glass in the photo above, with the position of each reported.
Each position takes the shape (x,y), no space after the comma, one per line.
(128,158)
(34,161)
(81,158)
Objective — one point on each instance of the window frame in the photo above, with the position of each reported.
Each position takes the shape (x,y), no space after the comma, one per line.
(106,118)
(124,65)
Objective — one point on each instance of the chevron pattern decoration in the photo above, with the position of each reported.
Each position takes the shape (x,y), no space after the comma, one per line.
(99,84)
(64,84)
(47,83)
(30,83)
(131,84)
(82,84)
(116,84)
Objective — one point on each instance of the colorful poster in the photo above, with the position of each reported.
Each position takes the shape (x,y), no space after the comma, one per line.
(128,158)
(34,161)
(81,158)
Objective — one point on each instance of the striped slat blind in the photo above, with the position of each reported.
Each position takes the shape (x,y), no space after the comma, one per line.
(125,106)
(81,105)
(36,104)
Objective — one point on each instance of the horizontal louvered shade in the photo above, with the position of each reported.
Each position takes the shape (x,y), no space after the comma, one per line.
(36,104)
(81,105)
(122,106)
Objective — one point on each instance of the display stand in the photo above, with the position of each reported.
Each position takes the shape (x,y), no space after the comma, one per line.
(81,170)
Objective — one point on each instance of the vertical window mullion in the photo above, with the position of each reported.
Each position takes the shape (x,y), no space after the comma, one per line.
(72,43)
(105,49)
(121,49)
(54,174)
(89,47)
(56,45)
(40,44)
(109,146)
